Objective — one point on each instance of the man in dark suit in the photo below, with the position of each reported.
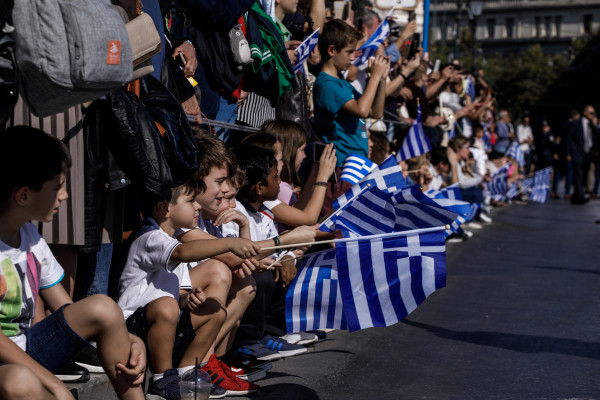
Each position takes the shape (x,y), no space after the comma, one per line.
(582,142)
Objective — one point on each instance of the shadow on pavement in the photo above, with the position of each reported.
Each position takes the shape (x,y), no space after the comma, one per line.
(287,391)
(514,342)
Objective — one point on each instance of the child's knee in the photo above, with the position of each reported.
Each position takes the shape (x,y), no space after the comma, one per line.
(20,382)
(246,290)
(103,309)
(212,273)
(163,310)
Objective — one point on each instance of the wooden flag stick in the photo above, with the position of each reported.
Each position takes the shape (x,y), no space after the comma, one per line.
(404,233)
(334,213)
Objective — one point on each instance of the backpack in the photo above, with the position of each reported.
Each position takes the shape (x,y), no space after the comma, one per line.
(69,52)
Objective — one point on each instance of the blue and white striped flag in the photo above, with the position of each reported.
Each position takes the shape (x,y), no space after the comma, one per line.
(451,192)
(541,185)
(514,151)
(370,47)
(355,168)
(304,51)
(415,209)
(313,299)
(526,185)
(383,278)
(487,140)
(470,87)
(512,191)
(416,142)
(497,187)
(386,176)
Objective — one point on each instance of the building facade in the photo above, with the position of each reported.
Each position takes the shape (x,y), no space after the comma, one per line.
(511,26)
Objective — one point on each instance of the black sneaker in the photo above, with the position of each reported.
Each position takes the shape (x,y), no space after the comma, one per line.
(167,387)
(72,373)
(88,359)
(217,392)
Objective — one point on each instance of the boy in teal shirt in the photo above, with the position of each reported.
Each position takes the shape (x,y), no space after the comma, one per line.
(340,111)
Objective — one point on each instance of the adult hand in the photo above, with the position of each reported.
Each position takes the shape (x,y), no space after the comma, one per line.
(191,107)
(452,157)
(301,234)
(188,51)
(408,31)
(291,46)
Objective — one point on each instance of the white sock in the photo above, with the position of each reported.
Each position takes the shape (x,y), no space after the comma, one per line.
(156,377)
(183,370)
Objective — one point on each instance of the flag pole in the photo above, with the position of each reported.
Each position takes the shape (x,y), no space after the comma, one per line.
(337,212)
(383,235)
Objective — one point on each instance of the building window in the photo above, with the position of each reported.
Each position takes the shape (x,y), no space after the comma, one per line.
(587,24)
(443,28)
(510,27)
(557,24)
(538,27)
(548,25)
(491,27)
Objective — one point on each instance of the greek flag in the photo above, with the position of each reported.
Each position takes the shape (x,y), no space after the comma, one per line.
(541,185)
(415,209)
(514,151)
(304,51)
(526,185)
(416,142)
(470,87)
(383,278)
(451,192)
(355,168)
(313,299)
(370,47)
(386,176)
(487,140)
(497,187)
(513,191)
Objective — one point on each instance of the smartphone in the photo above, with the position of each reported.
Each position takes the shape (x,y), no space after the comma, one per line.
(414,46)
(411,16)
(181,61)
(318,151)
(436,67)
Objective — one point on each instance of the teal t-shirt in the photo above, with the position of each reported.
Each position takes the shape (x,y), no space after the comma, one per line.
(346,131)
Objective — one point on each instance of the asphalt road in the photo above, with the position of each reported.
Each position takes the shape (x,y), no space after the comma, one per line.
(519,319)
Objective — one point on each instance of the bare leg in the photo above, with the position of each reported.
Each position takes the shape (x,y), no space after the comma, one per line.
(206,321)
(100,318)
(163,315)
(241,294)
(214,278)
(18,382)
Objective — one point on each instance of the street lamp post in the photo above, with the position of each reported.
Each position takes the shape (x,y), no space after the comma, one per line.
(475,10)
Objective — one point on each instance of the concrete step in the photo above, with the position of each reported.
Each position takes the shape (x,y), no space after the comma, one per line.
(98,388)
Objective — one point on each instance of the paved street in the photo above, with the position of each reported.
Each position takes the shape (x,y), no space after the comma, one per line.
(517,320)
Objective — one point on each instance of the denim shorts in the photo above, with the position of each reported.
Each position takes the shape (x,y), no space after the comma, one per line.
(52,343)
(138,324)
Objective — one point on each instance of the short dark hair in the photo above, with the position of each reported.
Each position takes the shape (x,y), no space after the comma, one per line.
(212,152)
(257,163)
(261,139)
(30,158)
(337,33)
(147,201)
(365,16)
(439,155)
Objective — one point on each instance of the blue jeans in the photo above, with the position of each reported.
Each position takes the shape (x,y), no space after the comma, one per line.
(92,272)
(227,113)
(51,342)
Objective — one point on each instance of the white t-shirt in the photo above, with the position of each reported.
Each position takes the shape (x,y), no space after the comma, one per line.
(262,224)
(149,272)
(23,272)
(524,133)
(207,226)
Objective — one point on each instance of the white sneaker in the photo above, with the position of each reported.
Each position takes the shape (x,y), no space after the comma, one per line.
(468,233)
(292,338)
(485,218)
(473,225)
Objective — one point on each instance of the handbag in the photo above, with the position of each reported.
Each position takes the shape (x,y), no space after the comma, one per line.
(144,38)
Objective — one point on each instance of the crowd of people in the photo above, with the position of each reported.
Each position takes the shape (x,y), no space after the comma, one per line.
(202,280)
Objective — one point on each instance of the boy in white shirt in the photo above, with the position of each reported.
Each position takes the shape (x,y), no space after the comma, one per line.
(177,322)
(32,177)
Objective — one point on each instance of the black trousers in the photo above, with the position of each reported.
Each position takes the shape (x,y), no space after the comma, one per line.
(253,324)
(581,167)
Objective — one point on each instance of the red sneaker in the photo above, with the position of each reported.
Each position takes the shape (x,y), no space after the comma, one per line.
(222,376)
